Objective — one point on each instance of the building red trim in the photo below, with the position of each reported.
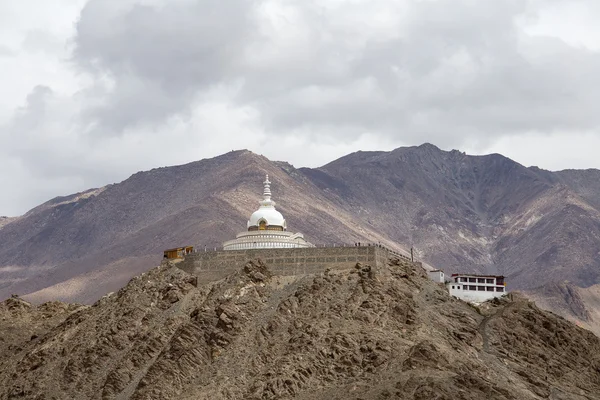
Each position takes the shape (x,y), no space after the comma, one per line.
(479,276)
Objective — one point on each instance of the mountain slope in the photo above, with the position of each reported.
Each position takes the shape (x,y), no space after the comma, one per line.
(359,333)
(202,203)
(486,214)
(460,213)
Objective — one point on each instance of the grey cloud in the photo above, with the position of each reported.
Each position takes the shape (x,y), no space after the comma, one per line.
(42,41)
(31,136)
(458,73)
(448,71)
(160,56)
(29,119)
(6,51)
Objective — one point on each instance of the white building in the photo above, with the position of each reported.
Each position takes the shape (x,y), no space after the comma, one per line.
(476,288)
(267,229)
(436,275)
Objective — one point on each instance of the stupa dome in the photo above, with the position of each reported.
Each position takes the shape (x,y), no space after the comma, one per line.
(270,216)
(267,217)
(267,229)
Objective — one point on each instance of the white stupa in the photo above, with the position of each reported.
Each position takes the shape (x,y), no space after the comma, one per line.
(267,229)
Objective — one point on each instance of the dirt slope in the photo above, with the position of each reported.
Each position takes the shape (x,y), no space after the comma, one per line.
(354,334)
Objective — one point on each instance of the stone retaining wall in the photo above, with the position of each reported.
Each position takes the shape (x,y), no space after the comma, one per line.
(214,265)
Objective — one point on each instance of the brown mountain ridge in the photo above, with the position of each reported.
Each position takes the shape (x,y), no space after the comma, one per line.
(460,212)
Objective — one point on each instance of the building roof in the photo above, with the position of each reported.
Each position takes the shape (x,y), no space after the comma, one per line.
(479,276)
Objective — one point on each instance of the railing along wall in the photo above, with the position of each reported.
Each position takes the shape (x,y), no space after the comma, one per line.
(198,249)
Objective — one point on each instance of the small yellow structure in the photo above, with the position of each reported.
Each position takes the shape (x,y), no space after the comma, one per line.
(178,252)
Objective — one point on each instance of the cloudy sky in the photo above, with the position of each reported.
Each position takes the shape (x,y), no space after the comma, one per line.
(92,91)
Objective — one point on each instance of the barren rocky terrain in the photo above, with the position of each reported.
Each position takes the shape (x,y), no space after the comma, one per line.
(351,334)
(460,213)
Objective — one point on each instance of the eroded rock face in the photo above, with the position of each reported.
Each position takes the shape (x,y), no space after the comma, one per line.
(362,333)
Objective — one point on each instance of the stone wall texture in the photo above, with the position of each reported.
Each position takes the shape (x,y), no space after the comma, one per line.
(214,265)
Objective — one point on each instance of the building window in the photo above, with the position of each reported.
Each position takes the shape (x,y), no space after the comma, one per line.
(452,287)
(480,288)
(480,280)
(463,279)
(472,280)
(499,289)
(490,289)
(472,287)
(490,281)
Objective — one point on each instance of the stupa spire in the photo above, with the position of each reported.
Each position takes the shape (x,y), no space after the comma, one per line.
(267,191)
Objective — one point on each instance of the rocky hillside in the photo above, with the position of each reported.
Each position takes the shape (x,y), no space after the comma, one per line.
(352,334)
(580,305)
(85,245)
(486,214)
(460,212)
